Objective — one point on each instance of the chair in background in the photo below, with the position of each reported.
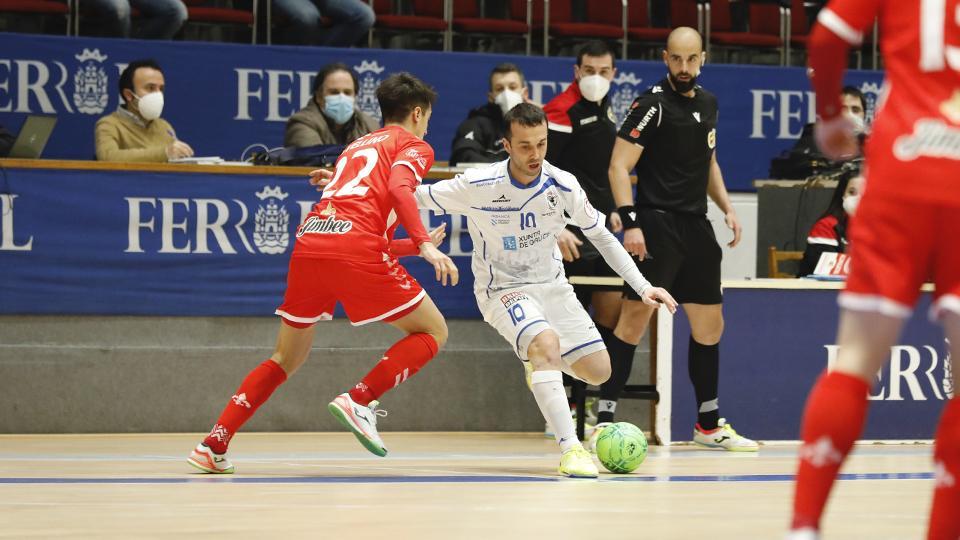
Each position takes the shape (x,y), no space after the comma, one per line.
(428,17)
(682,13)
(211,15)
(776,257)
(40,8)
(467,20)
(767,27)
(604,19)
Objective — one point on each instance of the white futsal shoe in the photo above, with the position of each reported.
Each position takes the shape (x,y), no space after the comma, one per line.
(724,437)
(803,534)
(578,463)
(205,459)
(362,421)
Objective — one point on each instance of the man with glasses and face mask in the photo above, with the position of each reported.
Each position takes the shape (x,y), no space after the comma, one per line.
(479,138)
(583,129)
(331,117)
(670,136)
(135,131)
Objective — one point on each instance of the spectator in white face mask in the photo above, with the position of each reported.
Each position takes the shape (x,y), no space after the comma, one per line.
(135,131)
(479,138)
(829,233)
(331,116)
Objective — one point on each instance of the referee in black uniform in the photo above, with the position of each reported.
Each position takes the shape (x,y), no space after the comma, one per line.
(670,136)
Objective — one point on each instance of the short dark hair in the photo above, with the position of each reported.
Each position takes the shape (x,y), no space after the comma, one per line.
(525,114)
(400,93)
(595,48)
(507,67)
(855,92)
(330,69)
(126,78)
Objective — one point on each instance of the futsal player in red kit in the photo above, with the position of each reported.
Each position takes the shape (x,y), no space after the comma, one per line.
(344,253)
(905,230)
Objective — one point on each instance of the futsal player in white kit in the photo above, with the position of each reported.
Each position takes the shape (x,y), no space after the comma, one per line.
(516,209)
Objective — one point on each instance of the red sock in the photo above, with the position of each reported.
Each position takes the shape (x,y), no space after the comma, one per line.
(832,421)
(398,364)
(253,392)
(945,514)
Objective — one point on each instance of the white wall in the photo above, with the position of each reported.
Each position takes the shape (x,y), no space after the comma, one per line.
(741,261)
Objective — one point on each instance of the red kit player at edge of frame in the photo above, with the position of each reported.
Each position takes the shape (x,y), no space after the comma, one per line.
(344,253)
(903,232)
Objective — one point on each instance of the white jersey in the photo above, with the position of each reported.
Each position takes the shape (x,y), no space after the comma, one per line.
(514,227)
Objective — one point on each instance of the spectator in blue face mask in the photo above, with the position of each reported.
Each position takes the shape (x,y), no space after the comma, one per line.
(331,116)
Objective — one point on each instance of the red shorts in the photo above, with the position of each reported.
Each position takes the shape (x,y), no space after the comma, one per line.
(897,244)
(380,291)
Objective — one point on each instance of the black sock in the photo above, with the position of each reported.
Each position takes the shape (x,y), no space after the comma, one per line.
(621,363)
(703,362)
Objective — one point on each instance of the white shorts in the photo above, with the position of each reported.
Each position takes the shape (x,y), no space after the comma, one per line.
(522,313)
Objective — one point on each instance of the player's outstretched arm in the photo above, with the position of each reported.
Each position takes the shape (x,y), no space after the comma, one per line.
(445,269)
(404,247)
(320,178)
(658,296)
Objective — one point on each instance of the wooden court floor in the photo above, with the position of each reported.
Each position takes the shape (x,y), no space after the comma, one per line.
(432,486)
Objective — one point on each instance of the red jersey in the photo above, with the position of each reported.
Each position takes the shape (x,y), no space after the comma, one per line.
(355,219)
(915,140)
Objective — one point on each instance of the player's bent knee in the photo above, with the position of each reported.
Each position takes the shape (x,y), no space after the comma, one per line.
(598,375)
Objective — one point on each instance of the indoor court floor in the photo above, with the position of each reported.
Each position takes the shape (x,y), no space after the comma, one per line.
(433,486)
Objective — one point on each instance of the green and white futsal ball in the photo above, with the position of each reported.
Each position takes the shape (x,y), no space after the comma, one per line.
(621,447)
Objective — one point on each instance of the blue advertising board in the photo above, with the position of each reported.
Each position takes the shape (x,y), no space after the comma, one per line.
(778,341)
(149,243)
(223,98)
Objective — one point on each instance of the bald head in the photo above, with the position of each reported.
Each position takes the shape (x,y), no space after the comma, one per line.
(684,38)
(683,56)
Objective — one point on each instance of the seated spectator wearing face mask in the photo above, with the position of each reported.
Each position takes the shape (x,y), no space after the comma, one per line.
(829,233)
(331,116)
(479,138)
(854,107)
(135,132)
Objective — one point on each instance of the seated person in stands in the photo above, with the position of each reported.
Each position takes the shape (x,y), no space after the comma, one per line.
(6,141)
(829,233)
(135,132)
(854,106)
(479,138)
(331,116)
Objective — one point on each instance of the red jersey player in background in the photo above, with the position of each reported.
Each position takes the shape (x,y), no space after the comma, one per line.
(344,253)
(904,230)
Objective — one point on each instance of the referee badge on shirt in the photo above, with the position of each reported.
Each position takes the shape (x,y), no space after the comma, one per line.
(712,139)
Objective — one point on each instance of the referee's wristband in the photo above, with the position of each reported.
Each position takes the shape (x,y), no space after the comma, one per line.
(628,215)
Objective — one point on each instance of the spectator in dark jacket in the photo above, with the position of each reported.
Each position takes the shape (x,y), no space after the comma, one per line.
(479,138)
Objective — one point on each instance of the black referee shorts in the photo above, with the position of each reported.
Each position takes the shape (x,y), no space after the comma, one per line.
(683,256)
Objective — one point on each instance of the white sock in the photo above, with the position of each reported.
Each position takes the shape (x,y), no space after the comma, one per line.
(551,397)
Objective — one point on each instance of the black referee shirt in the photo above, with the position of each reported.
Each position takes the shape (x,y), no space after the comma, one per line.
(678,135)
(580,142)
